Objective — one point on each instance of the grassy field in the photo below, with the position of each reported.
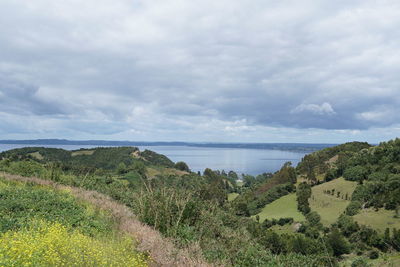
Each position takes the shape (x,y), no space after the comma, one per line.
(82,152)
(331,206)
(232,196)
(154,171)
(384,260)
(285,229)
(284,207)
(387,260)
(379,220)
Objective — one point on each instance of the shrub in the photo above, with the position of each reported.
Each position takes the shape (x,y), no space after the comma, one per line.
(182,166)
(373,254)
(353,208)
(360,262)
(314,219)
(338,243)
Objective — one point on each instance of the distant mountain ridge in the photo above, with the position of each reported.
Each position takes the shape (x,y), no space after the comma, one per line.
(272,146)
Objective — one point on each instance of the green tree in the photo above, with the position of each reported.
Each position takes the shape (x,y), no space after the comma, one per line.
(356,173)
(338,243)
(121,168)
(314,219)
(180,165)
(140,168)
(303,193)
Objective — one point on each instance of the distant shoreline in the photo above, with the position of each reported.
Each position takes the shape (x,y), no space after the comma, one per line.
(272,146)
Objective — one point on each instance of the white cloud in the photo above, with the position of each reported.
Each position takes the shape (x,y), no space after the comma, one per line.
(322,109)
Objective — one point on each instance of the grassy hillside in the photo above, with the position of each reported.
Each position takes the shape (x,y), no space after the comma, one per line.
(329,206)
(284,207)
(40,226)
(232,196)
(379,220)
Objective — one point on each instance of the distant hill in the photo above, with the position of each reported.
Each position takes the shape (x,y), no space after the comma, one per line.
(100,157)
(273,146)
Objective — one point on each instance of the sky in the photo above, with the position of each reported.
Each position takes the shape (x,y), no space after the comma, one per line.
(306,71)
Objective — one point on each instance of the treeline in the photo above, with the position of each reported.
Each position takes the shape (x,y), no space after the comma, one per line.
(377,170)
(321,162)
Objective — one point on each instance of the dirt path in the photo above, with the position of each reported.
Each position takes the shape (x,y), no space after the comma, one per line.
(161,250)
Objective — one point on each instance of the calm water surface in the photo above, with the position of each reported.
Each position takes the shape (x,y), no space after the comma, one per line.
(240,160)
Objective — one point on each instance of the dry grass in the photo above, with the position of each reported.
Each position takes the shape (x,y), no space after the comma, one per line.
(136,155)
(232,196)
(36,155)
(378,220)
(330,206)
(153,172)
(162,251)
(82,152)
(332,160)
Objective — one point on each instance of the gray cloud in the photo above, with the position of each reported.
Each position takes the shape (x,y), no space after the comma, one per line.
(131,68)
(22,98)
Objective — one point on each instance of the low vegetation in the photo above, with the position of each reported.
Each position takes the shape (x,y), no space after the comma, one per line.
(40,226)
(41,243)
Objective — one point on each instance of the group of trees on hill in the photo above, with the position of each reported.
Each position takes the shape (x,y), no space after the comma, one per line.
(377,170)
(322,161)
(87,160)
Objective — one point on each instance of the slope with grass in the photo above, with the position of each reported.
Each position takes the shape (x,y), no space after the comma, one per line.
(40,226)
(284,207)
(79,211)
(378,219)
(232,196)
(326,201)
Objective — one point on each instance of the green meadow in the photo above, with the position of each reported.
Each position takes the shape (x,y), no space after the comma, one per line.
(379,220)
(232,196)
(284,207)
(329,206)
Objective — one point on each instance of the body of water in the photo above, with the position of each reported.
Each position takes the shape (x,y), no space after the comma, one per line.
(240,160)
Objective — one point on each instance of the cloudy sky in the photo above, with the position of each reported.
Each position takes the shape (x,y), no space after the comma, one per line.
(222,71)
